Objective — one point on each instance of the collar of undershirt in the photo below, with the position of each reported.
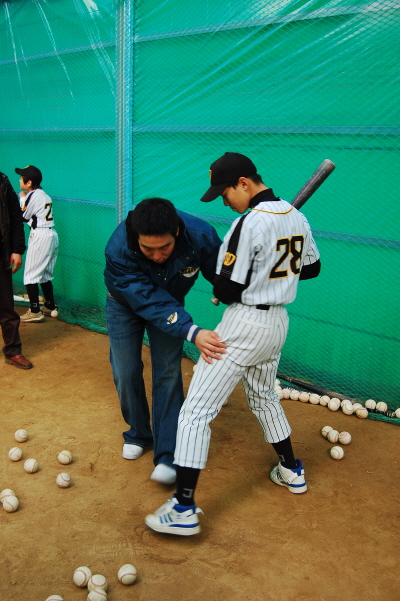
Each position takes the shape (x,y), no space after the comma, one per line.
(263,196)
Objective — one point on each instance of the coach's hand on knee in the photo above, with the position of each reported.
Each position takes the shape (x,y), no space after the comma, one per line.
(210,345)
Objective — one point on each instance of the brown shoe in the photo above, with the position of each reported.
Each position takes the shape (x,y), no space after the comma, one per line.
(19,361)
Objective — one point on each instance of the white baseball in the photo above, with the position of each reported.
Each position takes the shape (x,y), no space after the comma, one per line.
(344,438)
(10,504)
(15,454)
(336,453)
(324,400)
(347,408)
(31,466)
(333,404)
(370,404)
(325,430)
(357,406)
(344,401)
(381,406)
(286,393)
(314,399)
(97,581)
(362,412)
(97,594)
(304,397)
(277,383)
(127,574)
(194,367)
(333,436)
(65,457)
(278,389)
(63,480)
(55,598)
(81,576)
(280,394)
(294,395)
(6,493)
(21,435)
(397,412)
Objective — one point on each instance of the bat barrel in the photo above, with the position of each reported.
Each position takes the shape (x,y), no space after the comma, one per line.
(317,178)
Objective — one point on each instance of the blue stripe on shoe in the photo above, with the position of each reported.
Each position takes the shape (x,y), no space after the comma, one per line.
(297,485)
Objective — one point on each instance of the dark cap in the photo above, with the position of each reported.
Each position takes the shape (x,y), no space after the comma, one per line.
(225,170)
(32,173)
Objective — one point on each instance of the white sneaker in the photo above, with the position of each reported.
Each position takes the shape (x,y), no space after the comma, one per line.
(132,451)
(172,518)
(164,474)
(293,479)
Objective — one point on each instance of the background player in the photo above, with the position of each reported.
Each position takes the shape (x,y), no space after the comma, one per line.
(42,246)
(260,262)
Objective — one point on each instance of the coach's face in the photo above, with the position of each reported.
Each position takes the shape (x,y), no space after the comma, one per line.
(157,248)
(238,199)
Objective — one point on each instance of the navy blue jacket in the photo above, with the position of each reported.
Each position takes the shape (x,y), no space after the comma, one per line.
(156,292)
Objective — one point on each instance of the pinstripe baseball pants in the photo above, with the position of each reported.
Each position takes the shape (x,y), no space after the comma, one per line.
(41,256)
(255,338)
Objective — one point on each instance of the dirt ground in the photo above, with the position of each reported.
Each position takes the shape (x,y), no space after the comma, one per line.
(258,541)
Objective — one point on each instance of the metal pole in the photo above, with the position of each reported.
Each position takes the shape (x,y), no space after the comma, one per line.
(124,107)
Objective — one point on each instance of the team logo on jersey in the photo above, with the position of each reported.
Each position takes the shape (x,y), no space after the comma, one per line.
(189,271)
(172,318)
(229,259)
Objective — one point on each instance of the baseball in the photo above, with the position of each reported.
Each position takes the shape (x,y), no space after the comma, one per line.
(21,435)
(362,412)
(304,397)
(280,394)
(381,406)
(97,581)
(357,406)
(370,404)
(127,574)
(65,457)
(347,408)
(333,404)
(194,367)
(294,395)
(324,400)
(314,399)
(325,430)
(10,504)
(278,389)
(97,594)
(31,466)
(63,480)
(336,453)
(55,598)
(333,436)
(81,576)
(344,438)
(15,454)
(277,383)
(6,493)
(285,393)
(397,412)
(344,401)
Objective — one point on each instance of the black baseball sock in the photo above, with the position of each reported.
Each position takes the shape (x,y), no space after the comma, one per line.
(48,294)
(33,293)
(285,453)
(186,482)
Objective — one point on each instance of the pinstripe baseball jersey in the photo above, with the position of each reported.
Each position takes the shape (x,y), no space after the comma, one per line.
(265,250)
(38,209)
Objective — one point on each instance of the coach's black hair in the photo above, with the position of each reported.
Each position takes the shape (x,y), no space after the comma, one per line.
(35,183)
(255,178)
(153,217)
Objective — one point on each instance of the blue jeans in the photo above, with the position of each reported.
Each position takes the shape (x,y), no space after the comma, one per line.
(125,331)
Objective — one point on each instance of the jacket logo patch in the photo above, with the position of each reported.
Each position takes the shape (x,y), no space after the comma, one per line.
(229,259)
(172,318)
(189,271)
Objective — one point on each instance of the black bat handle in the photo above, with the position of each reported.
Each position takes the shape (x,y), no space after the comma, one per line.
(317,178)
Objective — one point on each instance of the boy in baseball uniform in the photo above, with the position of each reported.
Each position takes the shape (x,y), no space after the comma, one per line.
(262,258)
(37,210)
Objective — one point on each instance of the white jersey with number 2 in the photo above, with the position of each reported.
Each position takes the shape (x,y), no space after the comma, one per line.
(38,209)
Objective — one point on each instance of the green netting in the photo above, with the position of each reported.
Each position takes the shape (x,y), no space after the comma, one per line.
(118,101)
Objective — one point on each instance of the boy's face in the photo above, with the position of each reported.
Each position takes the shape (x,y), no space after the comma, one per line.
(238,199)
(157,248)
(23,186)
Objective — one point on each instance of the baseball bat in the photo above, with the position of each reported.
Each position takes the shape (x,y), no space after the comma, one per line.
(311,186)
(330,393)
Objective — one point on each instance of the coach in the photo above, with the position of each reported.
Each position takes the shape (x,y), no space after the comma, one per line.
(152,261)
(12,246)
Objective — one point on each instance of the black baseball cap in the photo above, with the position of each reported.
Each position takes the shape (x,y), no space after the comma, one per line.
(226,170)
(32,173)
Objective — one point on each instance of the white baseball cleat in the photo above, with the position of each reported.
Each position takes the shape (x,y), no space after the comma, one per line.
(293,479)
(164,474)
(29,316)
(172,518)
(132,451)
